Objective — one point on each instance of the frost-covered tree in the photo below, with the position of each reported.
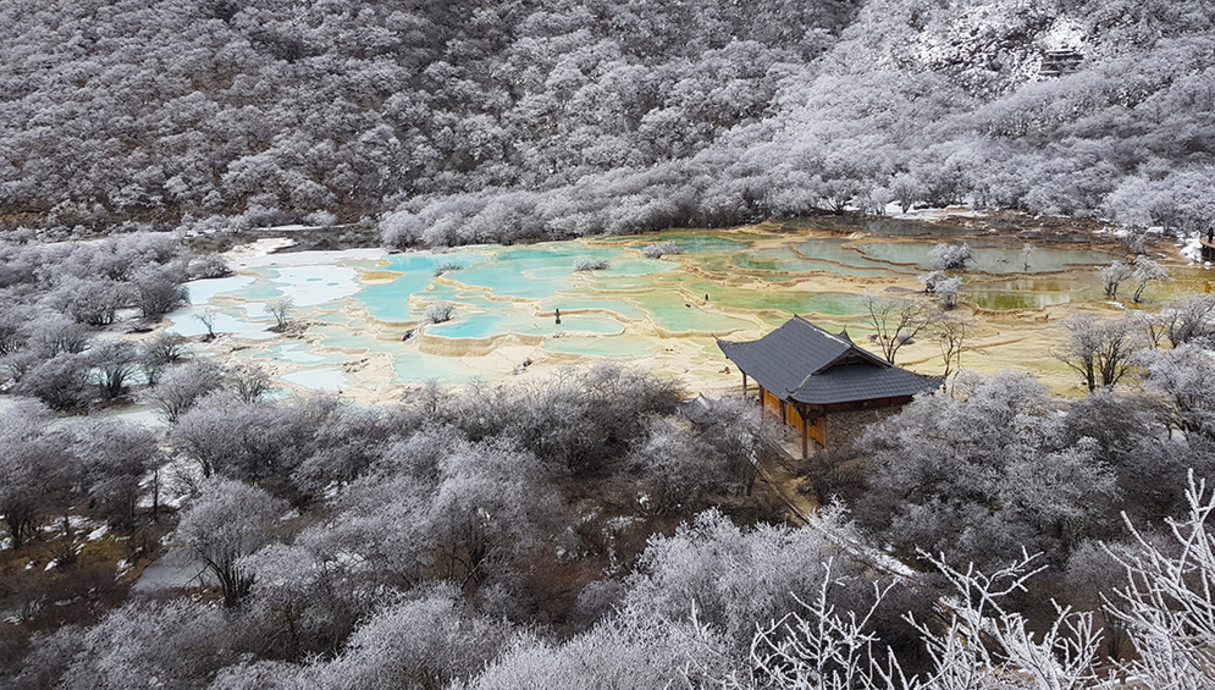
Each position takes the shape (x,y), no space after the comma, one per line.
(586,263)
(1145,273)
(735,430)
(1189,319)
(113,459)
(94,302)
(429,640)
(31,470)
(1102,351)
(159,290)
(13,332)
(822,645)
(228,521)
(947,291)
(183,386)
(249,381)
(716,450)
(907,190)
(660,249)
(983,471)
(61,382)
(281,309)
(1113,276)
(896,322)
(1166,602)
(681,576)
(182,643)
(676,464)
(49,336)
(931,280)
(159,352)
(247,440)
(975,641)
(579,420)
(440,312)
(113,363)
(951,257)
(209,266)
(1183,378)
(629,650)
(306,599)
(1162,604)
(345,441)
(490,505)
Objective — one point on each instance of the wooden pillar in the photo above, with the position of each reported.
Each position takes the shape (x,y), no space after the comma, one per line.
(744,382)
(817,416)
(805,433)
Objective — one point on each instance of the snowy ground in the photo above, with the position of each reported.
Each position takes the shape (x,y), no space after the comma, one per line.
(1191,248)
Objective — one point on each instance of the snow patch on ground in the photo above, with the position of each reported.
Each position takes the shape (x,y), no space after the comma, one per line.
(81,521)
(238,256)
(262,253)
(1191,248)
(294,227)
(1064,34)
(177,480)
(935,214)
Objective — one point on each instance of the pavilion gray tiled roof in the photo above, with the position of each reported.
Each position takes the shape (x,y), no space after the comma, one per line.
(853,382)
(802,362)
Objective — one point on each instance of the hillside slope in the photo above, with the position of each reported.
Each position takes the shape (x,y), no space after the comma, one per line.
(467,121)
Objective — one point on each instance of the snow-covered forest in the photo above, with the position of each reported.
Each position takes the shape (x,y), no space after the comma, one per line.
(527,537)
(602,526)
(452,122)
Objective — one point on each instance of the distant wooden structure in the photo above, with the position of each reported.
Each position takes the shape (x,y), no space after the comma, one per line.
(806,373)
(1208,247)
(1060,61)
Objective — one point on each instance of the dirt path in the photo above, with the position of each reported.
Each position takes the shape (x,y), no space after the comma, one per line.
(779,471)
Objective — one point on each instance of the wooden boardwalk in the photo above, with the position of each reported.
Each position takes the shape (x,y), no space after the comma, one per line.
(1208,250)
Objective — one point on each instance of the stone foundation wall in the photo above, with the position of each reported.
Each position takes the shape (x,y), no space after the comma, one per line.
(845,427)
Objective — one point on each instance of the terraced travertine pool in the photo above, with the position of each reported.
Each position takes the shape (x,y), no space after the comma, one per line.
(366,330)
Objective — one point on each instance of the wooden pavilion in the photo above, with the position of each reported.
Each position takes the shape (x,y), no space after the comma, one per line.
(806,373)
